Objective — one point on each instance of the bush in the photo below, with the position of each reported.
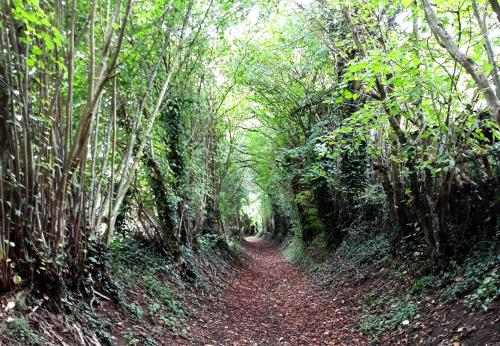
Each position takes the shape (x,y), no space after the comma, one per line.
(211,243)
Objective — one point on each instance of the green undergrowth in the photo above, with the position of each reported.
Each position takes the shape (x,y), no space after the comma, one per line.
(391,314)
(352,254)
(14,325)
(157,292)
(153,289)
(19,329)
(139,297)
(392,294)
(354,258)
(399,304)
(145,279)
(477,280)
(219,244)
(294,251)
(307,257)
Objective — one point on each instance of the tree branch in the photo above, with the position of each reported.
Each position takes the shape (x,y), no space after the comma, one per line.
(465,61)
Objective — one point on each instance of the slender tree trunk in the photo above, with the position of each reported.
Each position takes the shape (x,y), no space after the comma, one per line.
(496,8)
(487,47)
(465,61)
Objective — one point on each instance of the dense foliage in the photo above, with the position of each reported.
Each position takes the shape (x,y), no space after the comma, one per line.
(164,121)
(374,117)
(112,125)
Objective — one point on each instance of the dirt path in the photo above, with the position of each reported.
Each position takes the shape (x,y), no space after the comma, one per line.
(272,303)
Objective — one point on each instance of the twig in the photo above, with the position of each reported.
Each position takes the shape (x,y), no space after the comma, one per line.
(102,295)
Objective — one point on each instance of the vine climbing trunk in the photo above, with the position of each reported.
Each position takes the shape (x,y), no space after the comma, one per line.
(165,211)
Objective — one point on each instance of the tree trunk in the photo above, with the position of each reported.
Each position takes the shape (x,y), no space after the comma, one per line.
(496,8)
(465,61)
(165,210)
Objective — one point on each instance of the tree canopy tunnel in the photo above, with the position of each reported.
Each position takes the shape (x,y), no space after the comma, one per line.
(171,121)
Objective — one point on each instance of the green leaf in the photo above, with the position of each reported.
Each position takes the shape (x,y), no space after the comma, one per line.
(49,43)
(30,62)
(36,50)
